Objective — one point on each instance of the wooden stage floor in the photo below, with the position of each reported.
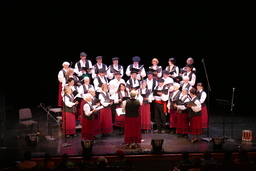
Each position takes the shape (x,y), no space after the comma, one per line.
(14,144)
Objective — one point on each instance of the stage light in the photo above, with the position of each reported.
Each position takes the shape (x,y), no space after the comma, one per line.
(87,146)
(218,143)
(31,139)
(157,145)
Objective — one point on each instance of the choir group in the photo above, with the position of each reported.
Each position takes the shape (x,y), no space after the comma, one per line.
(93,97)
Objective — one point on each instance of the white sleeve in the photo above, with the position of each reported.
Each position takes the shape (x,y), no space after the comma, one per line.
(102,101)
(122,71)
(128,71)
(67,102)
(203,97)
(76,70)
(123,106)
(140,98)
(165,97)
(87,110)
(94,75)
(143,72)
(60,76)
(198,106)
(193,80)
(96,83)
(109,74)
(160,73)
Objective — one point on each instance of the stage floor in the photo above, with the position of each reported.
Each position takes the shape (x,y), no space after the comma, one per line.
(14,144)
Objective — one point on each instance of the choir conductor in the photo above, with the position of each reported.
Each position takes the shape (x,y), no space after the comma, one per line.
(132,128)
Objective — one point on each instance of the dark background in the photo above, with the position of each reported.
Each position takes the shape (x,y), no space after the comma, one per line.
(38,36)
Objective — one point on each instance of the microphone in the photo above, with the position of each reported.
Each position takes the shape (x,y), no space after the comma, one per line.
(202,60)
(39,105)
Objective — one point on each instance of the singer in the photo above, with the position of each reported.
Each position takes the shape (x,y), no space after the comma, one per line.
(68,113)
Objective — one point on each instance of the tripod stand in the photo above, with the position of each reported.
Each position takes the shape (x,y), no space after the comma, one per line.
(232,104)
(48,121)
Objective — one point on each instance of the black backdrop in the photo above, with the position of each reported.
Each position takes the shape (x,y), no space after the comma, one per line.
(38,36)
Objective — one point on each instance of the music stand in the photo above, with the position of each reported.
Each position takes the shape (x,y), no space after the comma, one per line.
(224,103)
(48,122)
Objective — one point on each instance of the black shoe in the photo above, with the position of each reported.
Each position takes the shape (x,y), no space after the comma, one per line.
(185,136)
(156,131)
(172,132)
(163,131)
(179,136)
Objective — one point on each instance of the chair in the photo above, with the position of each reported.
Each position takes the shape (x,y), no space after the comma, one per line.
(25,118)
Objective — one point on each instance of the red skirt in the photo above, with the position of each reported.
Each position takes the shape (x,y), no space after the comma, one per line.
(132,130)
(119,120)
(204,116)
(68,123)
(81,110)
(96,124)
(173,118)
(144,111)
(195,125)
(182,123)
(106,120)
(60,101)
(87,131)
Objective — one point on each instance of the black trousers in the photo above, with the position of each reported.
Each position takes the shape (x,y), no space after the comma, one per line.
(160,117)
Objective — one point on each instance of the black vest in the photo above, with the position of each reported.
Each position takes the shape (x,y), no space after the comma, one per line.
(171,70)
(80,67)
(105,96)
(189,75)
(132,108)
(85,89)
(153,85)
(198,95)
(174,98)
(120,96)
(69,109)
(147,93)
(91,117)
(112,70)
(96,69)
(191,113)
(131,66)
(100,82)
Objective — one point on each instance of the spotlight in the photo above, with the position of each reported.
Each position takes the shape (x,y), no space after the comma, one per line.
(218,143)
(87,145)
(31,139)
(157,145)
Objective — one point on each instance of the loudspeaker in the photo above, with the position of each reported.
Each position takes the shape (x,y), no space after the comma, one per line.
(31,139)
(87,146)
(218,143)
(157,145)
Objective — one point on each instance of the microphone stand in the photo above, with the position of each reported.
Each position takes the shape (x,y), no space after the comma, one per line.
(232,104)
(208,139)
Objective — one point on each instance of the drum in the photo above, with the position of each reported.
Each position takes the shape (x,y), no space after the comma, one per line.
(247,135)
